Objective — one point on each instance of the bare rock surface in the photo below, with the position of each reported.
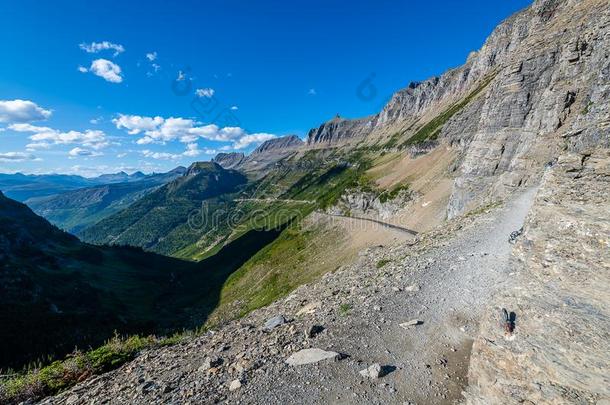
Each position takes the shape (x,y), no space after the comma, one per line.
(357,311)
(559,293)
(310,356)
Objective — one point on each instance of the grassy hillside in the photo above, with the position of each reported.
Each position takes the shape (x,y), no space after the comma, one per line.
(174,216)
(78,209)
(57,292)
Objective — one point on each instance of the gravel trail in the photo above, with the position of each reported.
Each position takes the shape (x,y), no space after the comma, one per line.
(444,279)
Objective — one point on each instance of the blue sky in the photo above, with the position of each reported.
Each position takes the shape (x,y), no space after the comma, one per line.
(92,87)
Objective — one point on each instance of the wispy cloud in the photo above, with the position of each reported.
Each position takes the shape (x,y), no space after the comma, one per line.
(192,150)
(96,47)
(22,111)
(16,157)
(250,139)
(206,92)
(312,92)
(76,152)
(151,56)
(234,108)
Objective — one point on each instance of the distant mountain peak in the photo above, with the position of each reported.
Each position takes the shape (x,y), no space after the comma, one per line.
(282,143)
(199,167)
(229,160)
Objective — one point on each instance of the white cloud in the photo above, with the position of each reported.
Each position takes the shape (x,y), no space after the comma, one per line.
(95,47)
(136,124)
(207,92)
(34,146)
(111,72)
(192,150)
(22,111)
(83,69)
(234,108)
(162,130)
(16,157)
(160,155)
(156,67)
(248,140)
(181,76)
(95,121)
(43,137)
(83,152)
(121,155)
(151,56)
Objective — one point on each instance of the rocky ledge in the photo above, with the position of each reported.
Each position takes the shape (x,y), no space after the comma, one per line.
(558,350)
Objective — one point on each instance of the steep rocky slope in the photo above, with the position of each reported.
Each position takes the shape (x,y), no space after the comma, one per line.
(536,78)
(559,293)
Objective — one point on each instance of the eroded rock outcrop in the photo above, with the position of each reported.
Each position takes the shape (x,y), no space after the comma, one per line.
(229,160)
(559,294)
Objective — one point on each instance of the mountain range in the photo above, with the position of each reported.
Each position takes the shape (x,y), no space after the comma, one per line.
(77,209)
(209,244)
(22,187)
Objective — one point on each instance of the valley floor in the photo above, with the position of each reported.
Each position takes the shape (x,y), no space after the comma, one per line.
(445,279)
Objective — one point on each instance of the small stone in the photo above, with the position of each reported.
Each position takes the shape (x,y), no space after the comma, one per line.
(372,372)
(209,363)
(377,308)
(412,322)
(235,385)
(309,309)
(274,322)
(72,399)
(412,288)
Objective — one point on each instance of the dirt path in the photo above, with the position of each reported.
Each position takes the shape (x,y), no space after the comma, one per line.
(444,280)
(375,221)
(455,281)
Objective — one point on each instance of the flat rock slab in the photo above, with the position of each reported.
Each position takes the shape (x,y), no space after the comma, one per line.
(274,322)
(309,356)
(412,322)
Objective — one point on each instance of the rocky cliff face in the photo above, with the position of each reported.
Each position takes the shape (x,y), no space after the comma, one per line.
(340,130)
(541,77)
(548,88)
(559,294)
(283,143)
(229,160)
(271,152)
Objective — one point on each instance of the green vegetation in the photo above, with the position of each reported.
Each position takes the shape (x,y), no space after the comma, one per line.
(60,375)
(344,309)
(382,263)
(484,208)
(176,215)
(393,141)
(587,107)
(431,129)
(393,193)
(263,255)
(63,285)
